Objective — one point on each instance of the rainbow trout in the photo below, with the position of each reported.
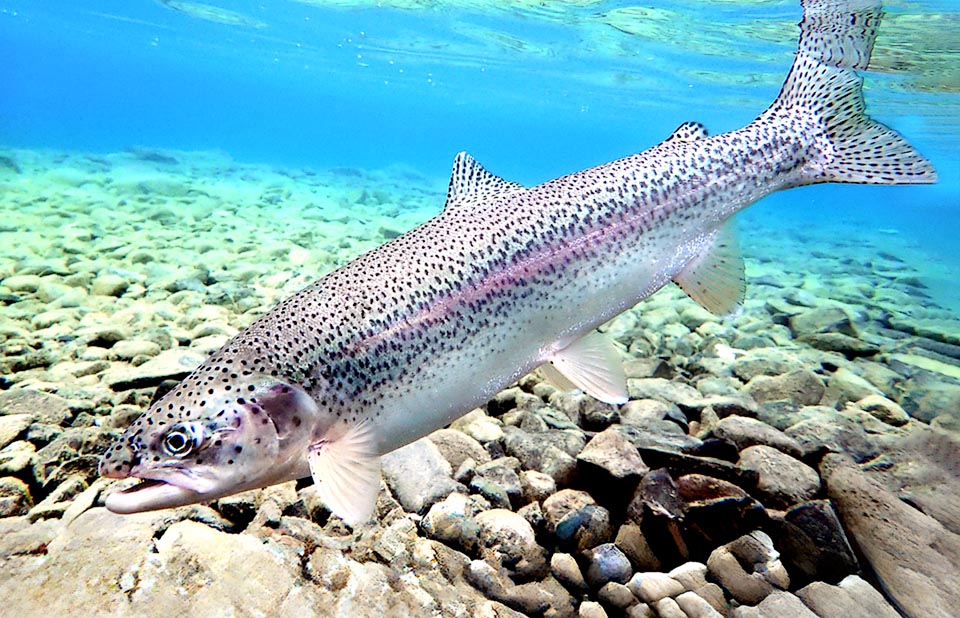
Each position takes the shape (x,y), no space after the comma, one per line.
(414,334)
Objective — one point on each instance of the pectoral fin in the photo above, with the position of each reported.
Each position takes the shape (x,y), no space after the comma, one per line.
(591,364)
(346,470)
(714,278)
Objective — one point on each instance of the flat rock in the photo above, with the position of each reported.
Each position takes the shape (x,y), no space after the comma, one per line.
(682,395)
(11,426)
(746,432)
(852,598)
(802,387)
(783,480)
(42,407)
(172,364)
(912,554)
(419,476)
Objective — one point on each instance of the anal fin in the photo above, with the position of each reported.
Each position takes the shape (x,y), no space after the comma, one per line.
(591,364)
(346,470)
(714,278)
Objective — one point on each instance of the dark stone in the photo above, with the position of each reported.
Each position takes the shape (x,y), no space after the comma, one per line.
(715,512)
(717,448)
(813,544)
(851,347)
(611,467)
(680,464)
(607,563)
(658,509)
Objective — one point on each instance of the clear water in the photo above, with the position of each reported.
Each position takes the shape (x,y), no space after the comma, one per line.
(533,89)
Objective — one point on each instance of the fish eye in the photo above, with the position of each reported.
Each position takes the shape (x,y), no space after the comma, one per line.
(182,439)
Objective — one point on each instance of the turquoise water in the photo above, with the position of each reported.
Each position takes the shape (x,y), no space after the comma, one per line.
(533,91)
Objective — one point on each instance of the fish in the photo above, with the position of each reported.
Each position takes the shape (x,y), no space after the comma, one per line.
(412,335)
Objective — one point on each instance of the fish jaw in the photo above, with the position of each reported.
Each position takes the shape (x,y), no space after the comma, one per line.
(235,445)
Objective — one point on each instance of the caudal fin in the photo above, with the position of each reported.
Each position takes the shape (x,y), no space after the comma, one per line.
(823,97)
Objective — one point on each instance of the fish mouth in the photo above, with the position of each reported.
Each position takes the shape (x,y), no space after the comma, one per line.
(151,495)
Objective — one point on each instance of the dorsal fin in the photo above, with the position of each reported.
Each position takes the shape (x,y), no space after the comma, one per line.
(687,132)
(470,180)
(714,278)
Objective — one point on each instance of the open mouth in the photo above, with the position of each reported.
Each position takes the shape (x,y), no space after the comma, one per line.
(150,495)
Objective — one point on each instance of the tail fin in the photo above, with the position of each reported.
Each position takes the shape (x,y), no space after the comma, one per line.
(824,91)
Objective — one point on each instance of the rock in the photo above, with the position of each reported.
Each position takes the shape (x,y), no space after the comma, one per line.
(131,348)
(884,410)
(15,497)
(715,512)
(680,464)
(765,574)
(22,283)
(668,608)
(631,540)
(591,609)
(691,575)
(844,386)
(508,542)
(802,387)
(694,606)
(456,447)
(453,521)
(74,450)
(479,426)
(17,457)
(851,347)
(109,285)
(764,362)
(640,412)
(172,364)
(822,320)
(546,598)
(778,604)
(746,432)
(611,463)
(912,554)
(616,595)
(814,544)
(926,395)
(607,563)
(418,475)
(575,520)
(536,486)
(651,587)
(11,426)
(564,567)
(823,430)
(784,481)
(683,395)
(853,598)
(499,482)
(41,407)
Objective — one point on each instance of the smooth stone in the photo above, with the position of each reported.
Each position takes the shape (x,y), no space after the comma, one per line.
(22,283)
(536,486)
(607,563)
(783,480)
(546,597)
(591,609)
(927,395)
(457,446)
(499,481)
(631,540)
(11,426)
(764,362)
(565,568)
(814,544)
(822,320)
(641,411)
(844,386)
(821,429)
(746,432)
(802,387)
(852,598)
(109,285)
(42,407)
(651,587)
(453,521)
(695,606)
(507,541)
(17,457)
(575,520)
(691,575)
(132,348)
(669,608)
(912,554)
(418,475)
(851,347)
(616,595)
(15,497)
(755,551)
(610,461)
(174,364)
(716,512)
(778,604)
(884,410)
(682,395)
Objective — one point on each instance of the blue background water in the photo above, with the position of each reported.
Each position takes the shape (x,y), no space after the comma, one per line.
(532,92)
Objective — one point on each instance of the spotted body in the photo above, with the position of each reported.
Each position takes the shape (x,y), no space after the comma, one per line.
(405,339)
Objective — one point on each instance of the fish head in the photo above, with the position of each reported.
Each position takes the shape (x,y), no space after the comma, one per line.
(202,441)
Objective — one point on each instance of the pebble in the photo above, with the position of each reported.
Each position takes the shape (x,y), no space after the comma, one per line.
(802,387)
(507,541)
(574,519)
(109,285)
(607,563)
(616,595)
(691,575)
(591,609)
(456,447)
(650,587)
(12,426)
(669,608)
(565,568)
(746,432)
(536,486)
(418,475)
(851,598)
(884,410)
(695,606)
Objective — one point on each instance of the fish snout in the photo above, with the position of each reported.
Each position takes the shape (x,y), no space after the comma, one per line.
(118,461)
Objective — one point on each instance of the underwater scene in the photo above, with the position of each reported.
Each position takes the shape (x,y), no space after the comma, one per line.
(550,308)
